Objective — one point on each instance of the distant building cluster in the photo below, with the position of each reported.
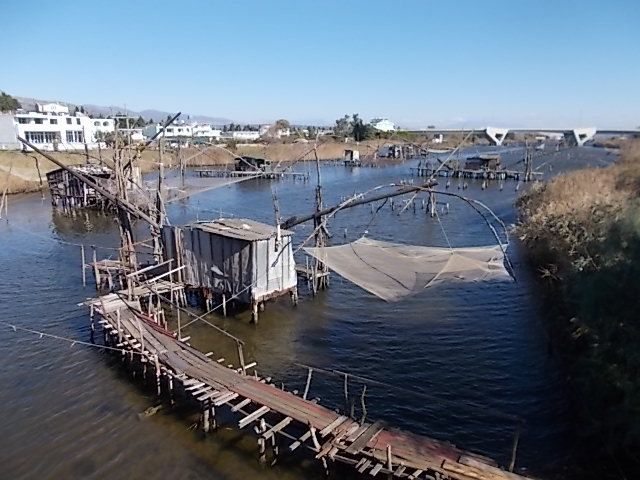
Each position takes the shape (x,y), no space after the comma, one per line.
(52,127)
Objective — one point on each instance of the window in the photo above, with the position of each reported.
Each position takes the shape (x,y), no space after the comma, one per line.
(42,137)
(74,136)
(35,137)
(68,121)
(38,121)
(97,124)
(23,120)
(105,124)
(78,121)
(53,121)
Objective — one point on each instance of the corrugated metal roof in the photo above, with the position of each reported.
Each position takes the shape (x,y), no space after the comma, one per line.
(241,228)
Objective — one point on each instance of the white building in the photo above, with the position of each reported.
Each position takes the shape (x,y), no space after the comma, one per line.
(52,128)
(172,132)
(206,131)
(383,125)
(242,135)
(103,125)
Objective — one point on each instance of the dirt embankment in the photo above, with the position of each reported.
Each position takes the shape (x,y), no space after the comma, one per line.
(583,234)
(23,172)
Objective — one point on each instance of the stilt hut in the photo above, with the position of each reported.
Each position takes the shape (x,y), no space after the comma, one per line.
(70,192)
(239,259)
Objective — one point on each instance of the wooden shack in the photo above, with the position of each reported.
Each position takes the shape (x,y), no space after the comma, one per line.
(250,164)
(489,162)
(239,259)
(68,191)
(352,158)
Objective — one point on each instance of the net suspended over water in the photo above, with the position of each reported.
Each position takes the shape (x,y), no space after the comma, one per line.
(393,271)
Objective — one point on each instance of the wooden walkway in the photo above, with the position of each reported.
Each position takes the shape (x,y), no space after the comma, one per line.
(276,414)
(210,172)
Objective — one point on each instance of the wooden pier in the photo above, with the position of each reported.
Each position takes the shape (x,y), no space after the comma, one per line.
(279,417)
(474,174)
(220,173)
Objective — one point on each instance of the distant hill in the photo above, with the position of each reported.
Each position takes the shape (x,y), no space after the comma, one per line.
(29,103)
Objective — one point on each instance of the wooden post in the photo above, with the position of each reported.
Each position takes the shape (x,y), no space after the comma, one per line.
(224,305)
(364,407)
(389,463)
(241,358)
(84,273)
(96,272)
(346,393)
(306,387)
(514,450)
(119,328)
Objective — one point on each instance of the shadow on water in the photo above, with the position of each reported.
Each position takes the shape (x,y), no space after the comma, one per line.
(467,357)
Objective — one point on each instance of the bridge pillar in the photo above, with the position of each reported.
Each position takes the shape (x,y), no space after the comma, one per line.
(578,136)
(496,135)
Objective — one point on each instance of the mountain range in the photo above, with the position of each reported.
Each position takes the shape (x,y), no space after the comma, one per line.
(28,103)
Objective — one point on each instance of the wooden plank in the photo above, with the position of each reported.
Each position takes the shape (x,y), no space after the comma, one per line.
(243,403)
(195,386)
(399,471)
(300,441)
(277,427)
(484,472)
(364,466)
(329,428)
(374,471)
(224,398)
(253,416)
(357,432)
(415,474)
(361,442)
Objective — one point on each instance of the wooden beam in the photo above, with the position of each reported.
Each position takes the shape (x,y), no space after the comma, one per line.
(253,416)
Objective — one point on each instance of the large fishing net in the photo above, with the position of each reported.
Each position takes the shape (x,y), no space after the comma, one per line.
(392,271)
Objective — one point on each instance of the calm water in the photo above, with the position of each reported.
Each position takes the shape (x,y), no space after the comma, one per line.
(468,356)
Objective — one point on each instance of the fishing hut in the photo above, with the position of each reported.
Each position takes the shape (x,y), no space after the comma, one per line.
(252,164)
(237,260)
(352,158)
(74,186)
(69,191)
(488,162)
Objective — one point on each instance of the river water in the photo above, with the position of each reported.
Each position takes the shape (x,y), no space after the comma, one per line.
(467,358)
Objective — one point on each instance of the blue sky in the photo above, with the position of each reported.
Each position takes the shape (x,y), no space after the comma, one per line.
(449,63)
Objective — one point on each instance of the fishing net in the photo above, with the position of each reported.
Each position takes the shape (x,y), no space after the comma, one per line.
(392,271)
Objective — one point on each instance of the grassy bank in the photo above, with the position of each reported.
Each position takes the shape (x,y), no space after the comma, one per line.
(583,233)
(21,172)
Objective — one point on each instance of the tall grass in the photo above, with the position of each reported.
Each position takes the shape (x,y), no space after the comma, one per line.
(583,233)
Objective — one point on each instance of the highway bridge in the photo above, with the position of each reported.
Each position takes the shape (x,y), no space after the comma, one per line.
(496,135)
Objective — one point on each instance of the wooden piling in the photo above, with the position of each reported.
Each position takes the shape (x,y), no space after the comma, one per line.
(84,262)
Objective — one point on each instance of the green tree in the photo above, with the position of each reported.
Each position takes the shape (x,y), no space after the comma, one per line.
(8,103)
(282,124)
(360,130)
(344,127)
(140,122)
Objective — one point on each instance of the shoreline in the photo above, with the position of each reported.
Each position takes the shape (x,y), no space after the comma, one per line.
(582,234)
(25,172)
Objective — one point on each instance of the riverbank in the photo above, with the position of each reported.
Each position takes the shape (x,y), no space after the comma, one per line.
(22,172)
(583,234)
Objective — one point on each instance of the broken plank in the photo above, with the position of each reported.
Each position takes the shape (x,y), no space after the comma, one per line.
(224,398)
(366,436)
(329,428)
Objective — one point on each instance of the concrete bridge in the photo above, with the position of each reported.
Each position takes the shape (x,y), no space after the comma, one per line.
(496,135)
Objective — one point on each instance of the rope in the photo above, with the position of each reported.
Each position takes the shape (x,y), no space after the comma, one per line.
(66,339)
